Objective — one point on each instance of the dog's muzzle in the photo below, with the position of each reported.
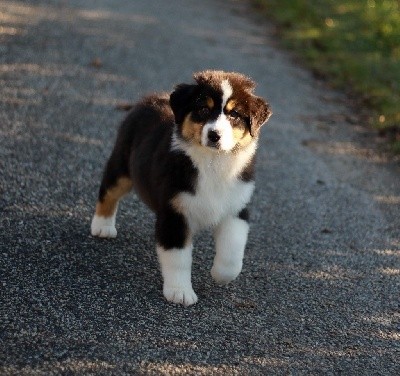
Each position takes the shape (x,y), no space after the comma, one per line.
(213,138)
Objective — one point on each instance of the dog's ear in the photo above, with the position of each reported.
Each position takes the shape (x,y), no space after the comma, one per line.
(260,113)
(180,100)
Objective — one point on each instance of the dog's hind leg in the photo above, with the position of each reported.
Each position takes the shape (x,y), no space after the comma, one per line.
(115,184)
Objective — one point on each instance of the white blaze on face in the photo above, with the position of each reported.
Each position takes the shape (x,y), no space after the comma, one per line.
(222,124)
(226,92)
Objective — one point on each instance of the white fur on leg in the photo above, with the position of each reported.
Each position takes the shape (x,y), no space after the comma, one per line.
(104,227)
(176,268)
(230,239)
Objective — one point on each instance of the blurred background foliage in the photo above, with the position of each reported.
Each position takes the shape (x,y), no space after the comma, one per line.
(354,44)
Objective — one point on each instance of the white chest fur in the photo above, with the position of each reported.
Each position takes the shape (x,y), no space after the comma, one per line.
(219,193)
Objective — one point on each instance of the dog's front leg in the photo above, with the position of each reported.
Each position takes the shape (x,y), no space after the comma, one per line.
(230,241)
(174,250)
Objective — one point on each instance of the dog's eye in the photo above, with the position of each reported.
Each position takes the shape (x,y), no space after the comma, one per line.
(203,111)
(234,114)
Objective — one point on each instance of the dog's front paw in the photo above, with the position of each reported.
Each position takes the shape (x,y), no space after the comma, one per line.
(103,227)
(223,274)
(180,295)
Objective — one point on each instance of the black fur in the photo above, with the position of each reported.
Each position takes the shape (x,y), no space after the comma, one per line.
(187,99)
(244,214)
(171,228)
(142,152)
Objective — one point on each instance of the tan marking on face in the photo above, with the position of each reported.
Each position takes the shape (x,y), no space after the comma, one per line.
(191,131)
(210,103)
(242,136)
(107,206)
(230,105)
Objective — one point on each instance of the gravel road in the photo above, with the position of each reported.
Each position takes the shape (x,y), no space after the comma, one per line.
(319,291)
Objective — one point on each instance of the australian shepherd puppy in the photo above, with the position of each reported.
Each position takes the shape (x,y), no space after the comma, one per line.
(189,155)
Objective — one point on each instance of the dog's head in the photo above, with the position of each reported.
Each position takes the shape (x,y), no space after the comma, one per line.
(220,111)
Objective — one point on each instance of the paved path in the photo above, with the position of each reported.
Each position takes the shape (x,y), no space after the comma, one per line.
(319,293)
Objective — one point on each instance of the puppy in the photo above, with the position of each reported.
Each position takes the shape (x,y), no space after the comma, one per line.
(190,157)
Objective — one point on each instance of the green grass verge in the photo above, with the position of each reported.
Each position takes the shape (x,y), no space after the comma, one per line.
(354,43)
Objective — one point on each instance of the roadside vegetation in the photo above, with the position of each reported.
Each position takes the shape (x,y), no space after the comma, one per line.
(355,44)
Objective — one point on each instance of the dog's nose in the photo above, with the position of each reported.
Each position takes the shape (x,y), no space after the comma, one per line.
(213,136)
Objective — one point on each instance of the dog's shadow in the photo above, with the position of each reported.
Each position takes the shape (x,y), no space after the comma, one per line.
(126,266)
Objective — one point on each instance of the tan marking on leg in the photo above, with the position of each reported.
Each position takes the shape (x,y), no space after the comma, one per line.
(107,206)
(191,131)
(177,204)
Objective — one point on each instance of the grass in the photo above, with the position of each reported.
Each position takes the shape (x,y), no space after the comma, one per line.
(353,43)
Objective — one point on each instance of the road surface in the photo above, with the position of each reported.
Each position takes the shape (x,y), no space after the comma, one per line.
(319,291)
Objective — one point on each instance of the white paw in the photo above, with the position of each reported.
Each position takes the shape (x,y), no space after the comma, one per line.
(103,227)
(180,295)
(223,274)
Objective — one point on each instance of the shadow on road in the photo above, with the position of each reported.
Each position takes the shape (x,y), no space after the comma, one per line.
(319,290)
